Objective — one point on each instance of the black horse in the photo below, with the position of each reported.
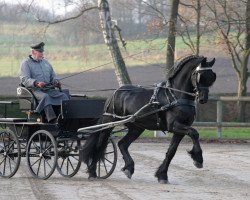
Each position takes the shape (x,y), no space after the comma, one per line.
(170,106)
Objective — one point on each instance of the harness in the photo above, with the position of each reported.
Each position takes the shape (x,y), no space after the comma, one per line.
(172,102)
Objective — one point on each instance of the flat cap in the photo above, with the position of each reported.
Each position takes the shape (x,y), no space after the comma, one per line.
(38,47)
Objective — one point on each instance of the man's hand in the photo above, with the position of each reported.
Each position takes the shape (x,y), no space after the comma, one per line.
(57,84)
(40,84)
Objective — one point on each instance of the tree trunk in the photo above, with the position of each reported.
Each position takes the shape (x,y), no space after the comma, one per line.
(110,39)
(198,35)
(171,36)
(244,74)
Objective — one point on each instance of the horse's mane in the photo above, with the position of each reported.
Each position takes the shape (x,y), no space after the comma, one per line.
(179,65)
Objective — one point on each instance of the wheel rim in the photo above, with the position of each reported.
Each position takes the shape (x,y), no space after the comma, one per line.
(106,166)
(41,154)
(10,155)
(68,162)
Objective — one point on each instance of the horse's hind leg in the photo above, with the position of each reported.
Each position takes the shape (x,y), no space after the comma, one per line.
(133,133)
(161,173)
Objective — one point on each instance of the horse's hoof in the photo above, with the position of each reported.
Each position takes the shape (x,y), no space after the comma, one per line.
(198,165)
(189,153)
(92,178)
(127,173)
(163,181)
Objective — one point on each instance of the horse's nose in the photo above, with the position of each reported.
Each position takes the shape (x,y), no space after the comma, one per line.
(202,101)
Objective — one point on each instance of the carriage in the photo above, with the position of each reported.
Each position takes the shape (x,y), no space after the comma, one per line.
(51,146)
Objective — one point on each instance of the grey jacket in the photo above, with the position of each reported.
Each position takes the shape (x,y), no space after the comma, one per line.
(31,71)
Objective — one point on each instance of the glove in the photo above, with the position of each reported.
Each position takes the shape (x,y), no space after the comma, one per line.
(57,83)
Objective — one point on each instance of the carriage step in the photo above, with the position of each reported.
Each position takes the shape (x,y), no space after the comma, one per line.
(66,138)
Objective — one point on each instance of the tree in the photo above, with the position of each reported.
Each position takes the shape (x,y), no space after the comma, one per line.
(190,21)
(171,36)
(232,23)
(108,34)
(110,40)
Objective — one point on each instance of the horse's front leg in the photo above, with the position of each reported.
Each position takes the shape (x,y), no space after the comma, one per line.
(196,152)
(161,173)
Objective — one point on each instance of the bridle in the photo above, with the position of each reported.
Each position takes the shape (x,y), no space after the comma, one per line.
(195,78)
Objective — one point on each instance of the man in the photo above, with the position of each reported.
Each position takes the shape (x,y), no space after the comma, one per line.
(36,73)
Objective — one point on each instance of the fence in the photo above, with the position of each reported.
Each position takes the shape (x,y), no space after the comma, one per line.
(219,123)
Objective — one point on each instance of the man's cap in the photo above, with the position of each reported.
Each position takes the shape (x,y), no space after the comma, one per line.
(38,47)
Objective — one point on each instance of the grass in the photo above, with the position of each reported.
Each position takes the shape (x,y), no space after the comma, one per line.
(75,59)
(16,38)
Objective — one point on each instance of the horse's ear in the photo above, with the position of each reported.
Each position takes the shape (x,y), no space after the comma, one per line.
(204,61)
(211,63)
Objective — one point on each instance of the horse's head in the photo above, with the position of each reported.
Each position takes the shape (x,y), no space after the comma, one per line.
(202,78)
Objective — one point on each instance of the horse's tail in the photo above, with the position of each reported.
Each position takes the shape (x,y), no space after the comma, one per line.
(95,145)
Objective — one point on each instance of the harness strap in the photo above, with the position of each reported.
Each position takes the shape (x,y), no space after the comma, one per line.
(186,102)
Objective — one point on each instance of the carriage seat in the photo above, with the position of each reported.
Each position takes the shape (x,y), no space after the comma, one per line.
(27,101)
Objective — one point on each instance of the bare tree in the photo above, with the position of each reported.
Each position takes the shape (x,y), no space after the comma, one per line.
(232,22)
(108,34)
(171,36)
(110,40)
(190,17)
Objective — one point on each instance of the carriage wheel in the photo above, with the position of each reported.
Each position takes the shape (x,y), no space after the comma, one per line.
(10,153)
(68,162)
(41,154)
(106,166)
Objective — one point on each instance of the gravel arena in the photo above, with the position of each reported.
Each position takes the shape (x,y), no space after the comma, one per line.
(225,175)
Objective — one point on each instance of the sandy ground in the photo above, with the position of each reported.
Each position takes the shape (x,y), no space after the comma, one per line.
(226,175)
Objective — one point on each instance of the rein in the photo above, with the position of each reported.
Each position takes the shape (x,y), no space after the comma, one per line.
(181,91)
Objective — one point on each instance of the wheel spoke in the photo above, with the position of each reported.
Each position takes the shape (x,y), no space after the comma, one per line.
(45,141)
(104,164)
(11,159)
(38,167)
(3,143)
(44,166)
(67,166)
(36,147)
(71,165)
(99,168)
(108,161)
(62,163)
(48,163)
(40,142)
(50,146)
(10,164)
(4,166)
(75,157)
(2,161)
(2,148)
(35,162)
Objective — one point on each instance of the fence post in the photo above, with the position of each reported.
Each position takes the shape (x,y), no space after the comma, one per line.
(219,118)
(160,134)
